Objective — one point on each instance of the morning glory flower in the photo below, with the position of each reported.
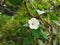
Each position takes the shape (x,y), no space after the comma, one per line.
(33,23)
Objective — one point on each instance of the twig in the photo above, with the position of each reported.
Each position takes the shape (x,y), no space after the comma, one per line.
(26,6)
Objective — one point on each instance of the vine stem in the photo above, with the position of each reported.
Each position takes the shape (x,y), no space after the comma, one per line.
(45,22)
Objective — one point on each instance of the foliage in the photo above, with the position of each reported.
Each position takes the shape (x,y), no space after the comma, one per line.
(14,29)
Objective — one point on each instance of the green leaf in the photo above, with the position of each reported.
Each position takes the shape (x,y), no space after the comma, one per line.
(28,41)
(1,44)
(56,22)
(44,36)
(36,33)
(53,16)
(15,2)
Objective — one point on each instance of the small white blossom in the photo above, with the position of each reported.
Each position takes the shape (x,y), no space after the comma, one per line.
(33,23)
(40,12)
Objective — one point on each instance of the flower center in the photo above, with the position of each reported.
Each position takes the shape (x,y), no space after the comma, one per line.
(32,23)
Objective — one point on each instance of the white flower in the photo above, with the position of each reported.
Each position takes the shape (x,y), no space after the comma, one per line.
(33,23)
(40,12)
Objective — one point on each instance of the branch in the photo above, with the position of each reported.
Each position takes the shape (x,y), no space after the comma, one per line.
(26,6)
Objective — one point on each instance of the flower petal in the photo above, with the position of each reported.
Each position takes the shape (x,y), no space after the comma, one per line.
(33,23)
